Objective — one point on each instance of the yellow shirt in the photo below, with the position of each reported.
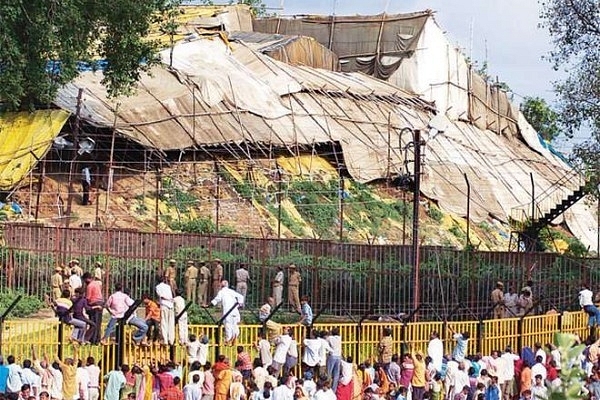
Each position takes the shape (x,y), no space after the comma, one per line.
(418,378)
(69,386)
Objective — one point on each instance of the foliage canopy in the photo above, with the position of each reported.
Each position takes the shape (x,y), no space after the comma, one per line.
(575,30)
(541,117)
(43,43)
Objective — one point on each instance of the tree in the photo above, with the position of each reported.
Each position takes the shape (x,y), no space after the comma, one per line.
(575,30)
(43,44)
(541,117)
(258,7)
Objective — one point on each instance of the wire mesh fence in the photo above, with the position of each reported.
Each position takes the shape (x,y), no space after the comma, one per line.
(340,278)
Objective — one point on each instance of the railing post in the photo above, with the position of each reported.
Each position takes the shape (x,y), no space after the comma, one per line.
(520,334)
(3,318)
(120,334)
(61,330)
(480,329)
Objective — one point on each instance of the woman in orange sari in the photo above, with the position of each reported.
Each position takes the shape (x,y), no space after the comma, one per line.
(223,378)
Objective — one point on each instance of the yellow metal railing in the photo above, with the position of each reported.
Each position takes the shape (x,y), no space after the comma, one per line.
(358,340)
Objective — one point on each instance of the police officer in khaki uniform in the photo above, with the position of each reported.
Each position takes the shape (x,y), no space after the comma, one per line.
(56,281)
(242,278)
(294,288)
(217,276)
(204,279)
(171,274)
(191,279)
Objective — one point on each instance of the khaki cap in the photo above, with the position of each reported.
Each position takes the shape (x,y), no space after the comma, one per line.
(172,261)
(74,261)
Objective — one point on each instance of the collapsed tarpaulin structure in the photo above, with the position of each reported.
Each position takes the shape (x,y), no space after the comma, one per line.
(225,94)
(412,52)
(25,138)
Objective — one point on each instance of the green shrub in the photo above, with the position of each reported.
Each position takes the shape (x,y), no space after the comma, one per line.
(435,214)
(26,306)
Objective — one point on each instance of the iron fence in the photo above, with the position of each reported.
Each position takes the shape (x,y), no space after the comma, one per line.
(343,278)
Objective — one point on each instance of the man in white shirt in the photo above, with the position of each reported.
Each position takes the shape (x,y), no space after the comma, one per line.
(93,372)
(182,323)
(435,350)
(282,345)
(13,381)
(74,281)
(30,377)
(539,390)
(324,392)
(324,350)
(193,390)
(538,369)
(335,357)
(82,382)
(283,391)
(167,311)
(509,373)
(586,301)
(264,350)
(229,300)
(310,357)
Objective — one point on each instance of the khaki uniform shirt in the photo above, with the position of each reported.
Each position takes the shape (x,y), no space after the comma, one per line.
(191,273)
(295,278)
(204,274)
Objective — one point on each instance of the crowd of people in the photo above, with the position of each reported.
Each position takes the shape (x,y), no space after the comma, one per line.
(286,367)
(77,297)
(309,368)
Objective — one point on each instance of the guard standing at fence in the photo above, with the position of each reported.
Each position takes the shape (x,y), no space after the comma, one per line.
(294,288)
(217,276)
(497,298)
(278,286)
(75,267)
(242,277)
(203,284)
(98,271)
(171,275)
(191,281)
(56,281)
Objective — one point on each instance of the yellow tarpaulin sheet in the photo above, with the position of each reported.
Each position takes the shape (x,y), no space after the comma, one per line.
(24,139)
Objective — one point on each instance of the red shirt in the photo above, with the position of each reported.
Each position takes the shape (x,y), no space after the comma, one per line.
(165,380)
(246,361)
(93,293)
(172,393)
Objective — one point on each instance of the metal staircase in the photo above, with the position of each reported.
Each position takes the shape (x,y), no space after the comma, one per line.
(530,219)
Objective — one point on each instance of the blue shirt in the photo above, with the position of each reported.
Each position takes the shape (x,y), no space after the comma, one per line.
(492,393)
(3,378)
(460,351)
(307,314)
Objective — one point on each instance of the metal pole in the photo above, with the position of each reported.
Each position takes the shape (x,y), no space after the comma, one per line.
(75,145)
(532,196)
(156,203)
(341,206)
(279,198)
(218,202)
(111,159)
(468,209)
(40,188)
(389,149)
(415,226)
